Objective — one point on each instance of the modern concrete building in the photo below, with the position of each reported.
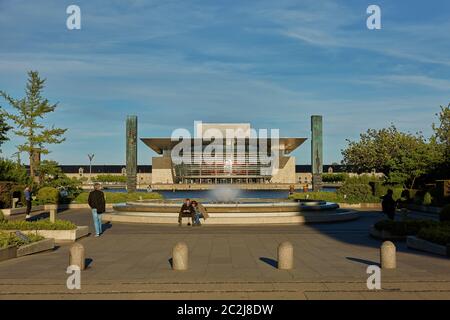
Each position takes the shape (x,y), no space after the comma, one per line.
(241,157)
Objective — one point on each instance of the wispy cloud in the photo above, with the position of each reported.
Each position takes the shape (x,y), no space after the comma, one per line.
(269,63)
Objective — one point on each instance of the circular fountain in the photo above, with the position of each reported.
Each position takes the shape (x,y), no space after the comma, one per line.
(226,208)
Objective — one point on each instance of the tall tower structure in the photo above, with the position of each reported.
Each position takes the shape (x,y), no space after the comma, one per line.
(131,152)
(316,152)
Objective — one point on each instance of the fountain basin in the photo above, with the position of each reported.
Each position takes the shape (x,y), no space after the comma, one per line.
(242,211)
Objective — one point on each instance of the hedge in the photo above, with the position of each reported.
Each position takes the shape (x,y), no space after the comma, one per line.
(439,235)
(43,224)
(331,197)
(119,197)
(404,228)
(334,177)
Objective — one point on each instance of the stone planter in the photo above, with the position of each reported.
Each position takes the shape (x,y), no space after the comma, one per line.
(427,246)
(61,235)
(38,246)
(385,235)
(8,253)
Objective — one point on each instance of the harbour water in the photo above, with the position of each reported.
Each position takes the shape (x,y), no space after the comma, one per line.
(261,194)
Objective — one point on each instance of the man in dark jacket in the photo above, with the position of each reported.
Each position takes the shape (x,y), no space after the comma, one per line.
(28,199)
(186,211)
(96,201)
(388,204)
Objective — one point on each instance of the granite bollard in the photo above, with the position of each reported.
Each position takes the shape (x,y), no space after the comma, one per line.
(76,256)
(285,256)
(52,215)
(180,256)
(388,258)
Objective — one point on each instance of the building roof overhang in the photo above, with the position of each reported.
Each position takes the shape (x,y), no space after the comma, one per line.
(160,144)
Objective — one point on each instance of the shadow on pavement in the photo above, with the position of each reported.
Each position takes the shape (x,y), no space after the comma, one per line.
(363,261)
(87,262)
(269,261)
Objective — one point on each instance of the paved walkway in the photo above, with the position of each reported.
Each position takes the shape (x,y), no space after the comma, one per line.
(132,262)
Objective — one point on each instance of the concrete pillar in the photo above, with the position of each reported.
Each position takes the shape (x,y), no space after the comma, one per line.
(316,152)
(285,256)
(388,258)
(76,256)
(180,256)
(131,153)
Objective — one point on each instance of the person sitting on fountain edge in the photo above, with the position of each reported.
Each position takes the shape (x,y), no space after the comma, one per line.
(200,212)
(186,210)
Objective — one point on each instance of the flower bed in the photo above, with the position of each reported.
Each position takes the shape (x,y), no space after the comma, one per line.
(13,245)
(43,224)
(60,230)
(10,239)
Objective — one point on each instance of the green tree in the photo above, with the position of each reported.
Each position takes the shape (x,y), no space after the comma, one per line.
(4,128)
(30,110)
(51,175)
(12,171)
(402,157)
(441,140)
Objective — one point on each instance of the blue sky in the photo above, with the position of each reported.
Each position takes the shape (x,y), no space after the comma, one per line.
(270,63)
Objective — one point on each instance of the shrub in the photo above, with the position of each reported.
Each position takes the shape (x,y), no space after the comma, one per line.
(439,234)
(444,215)
(404,228)
(356,192)
(2,216)
(5,194)
(43,224)
(48,195)
(119,197)
(427,199)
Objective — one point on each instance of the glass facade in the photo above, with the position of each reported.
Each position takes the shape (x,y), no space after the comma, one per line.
(242,164)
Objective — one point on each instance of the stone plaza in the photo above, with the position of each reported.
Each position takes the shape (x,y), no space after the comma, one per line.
(133,261)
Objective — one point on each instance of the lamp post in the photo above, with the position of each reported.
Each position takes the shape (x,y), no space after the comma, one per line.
(90,156)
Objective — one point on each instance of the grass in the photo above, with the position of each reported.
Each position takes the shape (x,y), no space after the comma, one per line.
(43,224)
(10,239)
(119,197)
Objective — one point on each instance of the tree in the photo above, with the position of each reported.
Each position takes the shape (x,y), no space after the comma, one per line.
(441,140)
(11,171)
(4,128)
(442,132)
(30,110)
(402,157)
(51,175)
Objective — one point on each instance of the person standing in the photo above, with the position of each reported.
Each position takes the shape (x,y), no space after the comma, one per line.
(96,201)
(388,204)
(28,199)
